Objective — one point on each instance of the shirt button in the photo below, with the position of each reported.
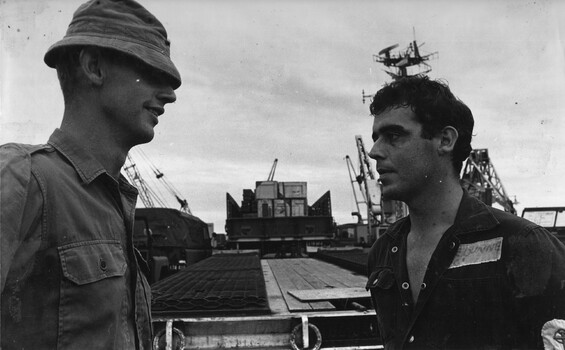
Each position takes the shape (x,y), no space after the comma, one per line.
(405,285)
(411,339)
(423,286)
(103,265)
(394,249)
(452,245)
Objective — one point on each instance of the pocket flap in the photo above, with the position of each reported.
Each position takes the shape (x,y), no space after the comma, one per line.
(88,262)
(382,278)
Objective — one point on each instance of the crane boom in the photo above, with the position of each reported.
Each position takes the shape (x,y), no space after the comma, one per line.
(147,196)
(380,212)
(354,178)
(364,162)
(136,179)
(272,172)
(372,187)
(369,186)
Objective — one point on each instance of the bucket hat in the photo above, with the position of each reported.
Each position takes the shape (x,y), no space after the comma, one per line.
(121,25)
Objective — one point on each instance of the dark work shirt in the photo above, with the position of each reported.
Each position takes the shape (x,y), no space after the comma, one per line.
(492,282)
(69,272)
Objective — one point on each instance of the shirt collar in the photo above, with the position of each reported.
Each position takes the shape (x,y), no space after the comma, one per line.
(472,215)
(87,167)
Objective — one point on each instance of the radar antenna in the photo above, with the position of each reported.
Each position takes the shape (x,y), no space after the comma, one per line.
(400,63)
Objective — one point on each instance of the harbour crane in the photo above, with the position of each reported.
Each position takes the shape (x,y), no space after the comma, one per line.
(368,187)
(380,212)
(147,195)
(480,179)
(356,179)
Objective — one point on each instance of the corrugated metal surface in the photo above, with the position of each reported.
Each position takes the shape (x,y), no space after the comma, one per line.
(222,283)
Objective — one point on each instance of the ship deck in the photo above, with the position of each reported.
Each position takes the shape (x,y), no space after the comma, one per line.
(300,292)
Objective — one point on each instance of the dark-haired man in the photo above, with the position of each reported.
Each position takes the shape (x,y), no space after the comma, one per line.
(455,273)
(70,276)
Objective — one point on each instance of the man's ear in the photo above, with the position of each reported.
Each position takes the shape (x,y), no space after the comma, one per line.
(448,138)
(90,59)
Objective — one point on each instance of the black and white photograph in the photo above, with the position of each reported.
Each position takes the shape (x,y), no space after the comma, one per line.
(282,174)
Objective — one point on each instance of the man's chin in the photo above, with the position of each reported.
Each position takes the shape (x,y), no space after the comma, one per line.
(389,193)
(145,138)
(148,135)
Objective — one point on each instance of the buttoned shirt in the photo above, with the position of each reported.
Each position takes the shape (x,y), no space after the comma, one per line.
(493,281)
(70,276)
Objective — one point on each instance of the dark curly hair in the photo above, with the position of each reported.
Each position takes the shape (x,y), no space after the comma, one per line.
(435,107)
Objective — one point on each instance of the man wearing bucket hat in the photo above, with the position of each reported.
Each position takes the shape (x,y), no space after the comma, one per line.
(70,276)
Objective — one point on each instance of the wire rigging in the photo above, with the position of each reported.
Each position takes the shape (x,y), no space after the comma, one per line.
(160,176)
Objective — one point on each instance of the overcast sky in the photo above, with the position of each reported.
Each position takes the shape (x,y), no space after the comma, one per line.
(283,79)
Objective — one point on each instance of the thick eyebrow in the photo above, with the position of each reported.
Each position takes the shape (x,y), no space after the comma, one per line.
(387,129)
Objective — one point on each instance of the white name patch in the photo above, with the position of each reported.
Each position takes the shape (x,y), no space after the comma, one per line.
(477,253)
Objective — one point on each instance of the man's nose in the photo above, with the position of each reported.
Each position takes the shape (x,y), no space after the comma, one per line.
(376,151)
(167,94)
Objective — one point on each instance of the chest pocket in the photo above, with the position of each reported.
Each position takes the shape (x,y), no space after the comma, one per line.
(93,297)
(88,262)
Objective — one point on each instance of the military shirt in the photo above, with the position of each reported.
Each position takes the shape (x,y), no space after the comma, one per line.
(70,276)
